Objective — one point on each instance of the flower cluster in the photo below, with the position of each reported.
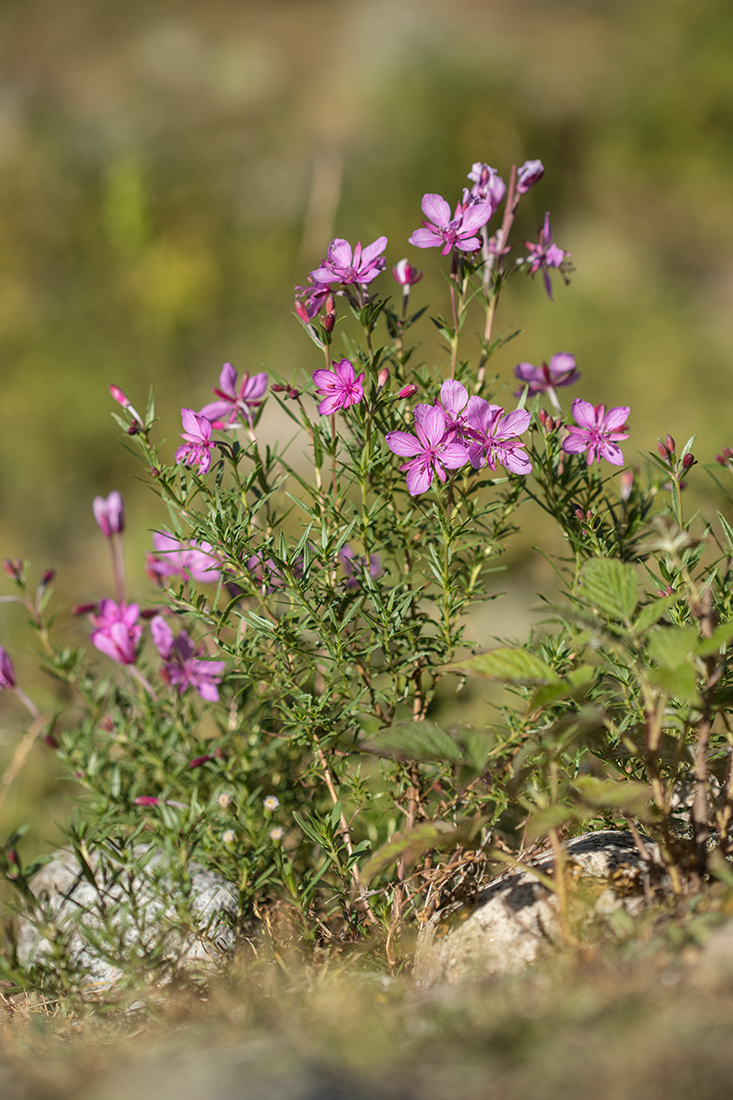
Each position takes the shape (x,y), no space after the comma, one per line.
(342,266)
(456,430)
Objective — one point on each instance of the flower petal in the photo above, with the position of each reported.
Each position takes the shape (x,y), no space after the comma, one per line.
(402,443)
(436,209)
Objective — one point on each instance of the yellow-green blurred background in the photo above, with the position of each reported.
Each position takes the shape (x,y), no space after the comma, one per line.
(169,170)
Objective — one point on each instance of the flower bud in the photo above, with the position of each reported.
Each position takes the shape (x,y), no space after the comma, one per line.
(109,513)
(293,394)
(328,321)
(580,515)
(134,428)
(277,388)
(688,461)
(154,471)
(119,396)
(671,445)
(405,274)
(408,391)
(47,578)
(662,450)
(627,483)
(383,377)
(84,608)
(13,567)
(528,175)
(302,313)
(7,672)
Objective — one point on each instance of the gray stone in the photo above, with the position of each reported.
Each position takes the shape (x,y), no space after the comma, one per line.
(515,918)
(127,919)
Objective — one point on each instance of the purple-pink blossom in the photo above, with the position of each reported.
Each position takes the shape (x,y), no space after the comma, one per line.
(442,231)
(193,560)
(561,371)
(109,513)
(182,668)
(197,434)
(346,267)
(354,566)
(546,255)
(236,399)
(432,450)
(310,299)
(405,274)
(528,175)
(116,630)
(339,387)
(7,672)
(491,436)
(488,186)
(597,433)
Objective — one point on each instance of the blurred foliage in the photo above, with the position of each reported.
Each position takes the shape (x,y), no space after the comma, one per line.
(168,171)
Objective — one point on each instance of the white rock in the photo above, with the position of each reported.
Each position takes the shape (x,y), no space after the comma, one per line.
(127,920)
(515,919)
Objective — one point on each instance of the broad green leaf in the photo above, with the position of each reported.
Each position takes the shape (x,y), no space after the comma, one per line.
(681,683)
(575,687)
(514,666)
(477,745)
(720,636)
(410,844)
(422,741)
(652,612)
(544,821)
(613,794)
(672,646)
(611,586)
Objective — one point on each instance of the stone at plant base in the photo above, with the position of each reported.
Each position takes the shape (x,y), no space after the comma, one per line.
(127,920)
(515,918)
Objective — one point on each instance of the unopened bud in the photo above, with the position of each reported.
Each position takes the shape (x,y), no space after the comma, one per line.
(405,274)
(134,428)
(330,304)
(382,377)
(277,388)
(543,417)
(408,391)
(627,483)
(580,515)
(328,321)
(662,450)
(293,394)
(47,578)
(13,567)
(119,396)
(84,608)
(154,471)
(50,740)
(688,461)
(671,445)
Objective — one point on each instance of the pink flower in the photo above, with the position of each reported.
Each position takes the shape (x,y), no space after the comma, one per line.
(444,232)
(528,175)
(355,565)
(431,450)
(310,299)
(546,255)
(182,669)
(598,433)
(343,266)
(405,274)
(197,448)
(7,672)
(109,514)
(193,560)
(491,436)
(116,633)
(546,379)
(235,399)
(339,387)
(488,186)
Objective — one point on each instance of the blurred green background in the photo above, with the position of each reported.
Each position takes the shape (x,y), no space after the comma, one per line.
(168,171)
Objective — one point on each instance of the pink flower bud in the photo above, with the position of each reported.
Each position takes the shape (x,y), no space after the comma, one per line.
(688,461)
(382,377)
(405,274)
(119,396)
(627,483)
(328,321)
(7,672)
(47,578)
(580,515)
(110,514)
(293,394)
(84,608)
(13,567)
(408,391)
(662,450)
(671,445)
(528,175)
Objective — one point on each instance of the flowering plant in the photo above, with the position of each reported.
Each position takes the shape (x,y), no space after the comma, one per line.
(322,618)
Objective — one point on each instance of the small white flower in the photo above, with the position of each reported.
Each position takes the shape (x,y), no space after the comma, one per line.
(276,834)
(224,801)
(229,836)
(271,803)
